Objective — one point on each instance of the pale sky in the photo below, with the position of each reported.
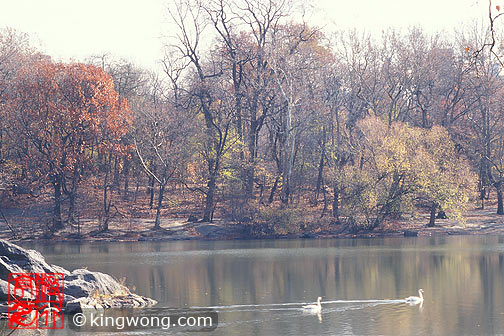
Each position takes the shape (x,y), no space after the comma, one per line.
(70,29)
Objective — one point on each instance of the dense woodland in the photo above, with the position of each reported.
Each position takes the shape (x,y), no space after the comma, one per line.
(262,118)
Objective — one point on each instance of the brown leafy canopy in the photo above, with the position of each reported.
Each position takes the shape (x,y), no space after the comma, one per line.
(66,113)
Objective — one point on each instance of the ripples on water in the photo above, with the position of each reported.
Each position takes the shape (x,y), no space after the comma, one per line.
(258,287)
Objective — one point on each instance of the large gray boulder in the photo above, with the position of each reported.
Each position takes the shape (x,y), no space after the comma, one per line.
(83,288)
(4,291)
(84,283)
(83,304)
(15,259)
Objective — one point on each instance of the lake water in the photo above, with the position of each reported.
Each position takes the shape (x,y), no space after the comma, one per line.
(258,287)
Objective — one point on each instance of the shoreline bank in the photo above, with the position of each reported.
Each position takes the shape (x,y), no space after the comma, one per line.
(477,222)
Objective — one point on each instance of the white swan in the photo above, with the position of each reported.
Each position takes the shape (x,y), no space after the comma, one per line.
(313,308)
(415,299)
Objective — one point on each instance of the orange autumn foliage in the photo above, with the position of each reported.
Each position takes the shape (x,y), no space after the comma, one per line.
(67,111)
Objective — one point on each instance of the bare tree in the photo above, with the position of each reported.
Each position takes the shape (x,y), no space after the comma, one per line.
(159,141)
(191,21)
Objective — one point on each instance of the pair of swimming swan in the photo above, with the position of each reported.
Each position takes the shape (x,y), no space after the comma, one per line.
(316,308)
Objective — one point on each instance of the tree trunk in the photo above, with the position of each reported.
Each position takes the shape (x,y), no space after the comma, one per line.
(273,189)
(151,189)
(320,177)
(500,207)
(71,206)
(335,205)
(288,156)
(432,219)
(157,224)
(249,181)
(116,174)
(390,205)
(1,143)
(324,193)
(107,199)
(424,118)
(126,177)
(106,207)
(72,196)
(57,222)
(209,201)
(136,191)
(102,159)
(250,169)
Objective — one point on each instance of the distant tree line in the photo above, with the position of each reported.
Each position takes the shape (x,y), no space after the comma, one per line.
(257,111)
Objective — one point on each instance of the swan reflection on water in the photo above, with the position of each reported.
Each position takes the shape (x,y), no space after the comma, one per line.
(318,314)
(314,309)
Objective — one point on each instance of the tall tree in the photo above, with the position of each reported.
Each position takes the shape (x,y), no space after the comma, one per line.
(162,138)
(191,21)
(65,112)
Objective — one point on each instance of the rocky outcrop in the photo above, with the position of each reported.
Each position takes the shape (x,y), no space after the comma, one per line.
(102,302)
(83,283)
(410,233)
(14,259)
(83,304)
(94,290)
(6,288)
(83,289)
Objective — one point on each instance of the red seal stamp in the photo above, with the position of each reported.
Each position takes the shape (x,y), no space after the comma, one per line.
(36,300)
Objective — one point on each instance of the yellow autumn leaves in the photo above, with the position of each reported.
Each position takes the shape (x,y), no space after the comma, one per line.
(400,164)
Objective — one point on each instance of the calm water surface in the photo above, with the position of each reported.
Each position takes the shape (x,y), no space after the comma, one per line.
(463,279)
